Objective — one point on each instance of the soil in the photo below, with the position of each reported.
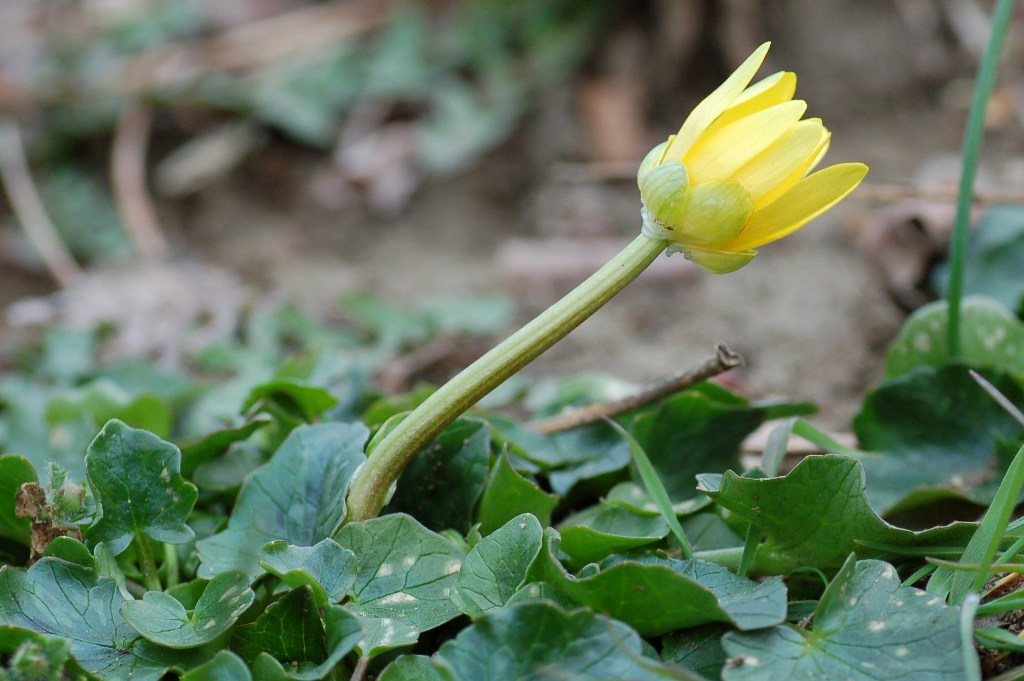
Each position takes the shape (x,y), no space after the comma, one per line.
(811,315)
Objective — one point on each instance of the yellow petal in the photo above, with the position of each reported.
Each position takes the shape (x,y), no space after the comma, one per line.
(705,113)
(724,151)
(809,198)
(772,172)
(717,262)
(775,89)
(715,211)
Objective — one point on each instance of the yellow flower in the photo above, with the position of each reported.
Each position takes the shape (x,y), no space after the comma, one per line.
(735,176)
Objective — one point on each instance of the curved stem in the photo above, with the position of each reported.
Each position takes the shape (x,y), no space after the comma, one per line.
(369,490)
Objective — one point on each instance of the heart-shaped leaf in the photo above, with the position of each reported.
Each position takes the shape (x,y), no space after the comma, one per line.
(326,567)
(135,479)
(656,595)
(160,618)
(442,483)
(497,566)
(816,515)
(298,496)
(597,532)
(866,627)
(289,630)
(941,435)
(57,598)
(405,572)
(694,432)
(508,494)
(540,640)
(342,632)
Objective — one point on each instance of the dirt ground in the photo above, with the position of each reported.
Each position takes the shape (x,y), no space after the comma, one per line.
(811,315)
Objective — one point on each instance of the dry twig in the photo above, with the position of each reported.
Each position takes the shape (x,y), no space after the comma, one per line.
(723,360)
(28,207)
(128,177)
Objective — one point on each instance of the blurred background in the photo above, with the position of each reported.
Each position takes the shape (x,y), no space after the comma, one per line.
(170,166)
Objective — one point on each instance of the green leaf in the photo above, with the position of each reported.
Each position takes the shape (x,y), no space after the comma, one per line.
(138,490)
(541,641)
(227,473)
(698,649)
(994,255)
(509,494)
(14,472)
(289,630)
(326,567)
(73,551)
(497,566)
(657,595)
(24,430)
(298,496)
(818,514)
(298,398)
(224,666)
(866,627)
(381,634)
(29,656)
(343,631)
(693,433)
(597,532)
(101,401)
(405,572)
(160,618)
(990,338)
(63,599)
(416,668)
(442,483)
(942,437)
(215,444)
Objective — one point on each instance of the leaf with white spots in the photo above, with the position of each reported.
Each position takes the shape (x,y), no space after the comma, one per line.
(326,567)
(866,627)
(990,338)
(135,477)
(496,567)
(160,618)
(405,571)
(298,496)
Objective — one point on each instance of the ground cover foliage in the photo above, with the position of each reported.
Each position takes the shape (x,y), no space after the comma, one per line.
(192,523)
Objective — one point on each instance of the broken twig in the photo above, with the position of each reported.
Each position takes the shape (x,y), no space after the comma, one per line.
(723,360)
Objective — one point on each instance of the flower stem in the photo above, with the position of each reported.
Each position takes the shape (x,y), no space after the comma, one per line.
(144,554)
(369,490)
(973,133)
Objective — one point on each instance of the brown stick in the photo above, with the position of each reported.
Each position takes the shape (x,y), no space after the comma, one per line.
(128,177)
(28,207)
(723,360)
